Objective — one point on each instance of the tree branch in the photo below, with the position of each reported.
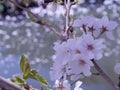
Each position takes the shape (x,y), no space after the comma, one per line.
(67,6)
(39,20)
(105,76)
(8,85)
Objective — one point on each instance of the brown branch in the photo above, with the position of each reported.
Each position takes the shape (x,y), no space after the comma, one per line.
(39,20)
(51,28)
(105,76)
(8,85)
(96,74)
(119,81)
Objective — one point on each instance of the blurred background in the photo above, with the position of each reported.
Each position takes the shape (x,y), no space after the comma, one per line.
(18,35)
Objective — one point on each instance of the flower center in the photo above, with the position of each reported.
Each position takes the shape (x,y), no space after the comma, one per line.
(77,51)
(90,47)
(82,62)
(63,69)
(60,86)
(65,52)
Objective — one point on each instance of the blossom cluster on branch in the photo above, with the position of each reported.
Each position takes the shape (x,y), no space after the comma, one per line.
(73,57)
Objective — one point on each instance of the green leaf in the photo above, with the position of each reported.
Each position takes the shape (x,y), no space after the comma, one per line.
(32,75)
(25,67)
(42,80)
(33,72)
(29,73)
(22,62)
(19,81)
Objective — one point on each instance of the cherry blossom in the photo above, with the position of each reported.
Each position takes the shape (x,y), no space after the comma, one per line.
(75,46)
(77,85)
(80,64)
(93,47)
(107,26)
(88,24)
(58,71)
(84,21)
(76,53)
(75,77)
(62,85)
(96,26)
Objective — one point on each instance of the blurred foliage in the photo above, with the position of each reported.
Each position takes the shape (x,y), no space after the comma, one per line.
(28,73)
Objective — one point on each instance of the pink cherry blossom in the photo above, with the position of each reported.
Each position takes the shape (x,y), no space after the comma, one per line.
(93,47)
(63,53)
(58,71)
(88,24)
(96,26)
(75,46)
(77,85)
(75,77)
(80,64)
(108,26)
(73,57)
(62,85)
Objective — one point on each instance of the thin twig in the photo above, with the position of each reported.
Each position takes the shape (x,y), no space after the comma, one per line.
(105,76)
(96,74)
(38,19)
(67,5)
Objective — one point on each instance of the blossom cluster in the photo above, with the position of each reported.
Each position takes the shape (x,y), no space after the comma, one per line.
(74,56)
(96,26)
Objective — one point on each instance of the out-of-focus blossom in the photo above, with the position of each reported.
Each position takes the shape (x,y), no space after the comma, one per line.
(63,85)
(77,85)
(117,68)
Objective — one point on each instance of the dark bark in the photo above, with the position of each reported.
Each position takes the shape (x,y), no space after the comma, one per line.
(8,85)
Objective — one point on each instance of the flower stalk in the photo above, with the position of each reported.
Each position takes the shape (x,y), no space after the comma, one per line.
(67,15)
